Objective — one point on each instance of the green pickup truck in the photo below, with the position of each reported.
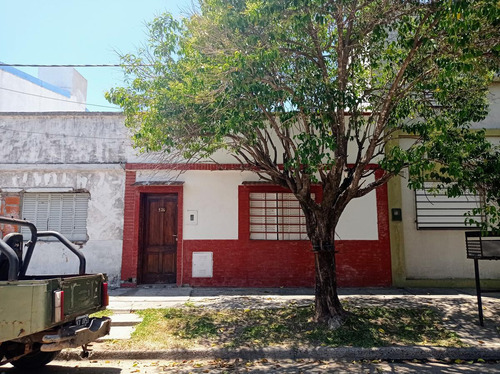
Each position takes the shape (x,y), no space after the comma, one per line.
(41,315)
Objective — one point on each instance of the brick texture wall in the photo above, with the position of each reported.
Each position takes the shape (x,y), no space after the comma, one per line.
(10,206)
(130,236)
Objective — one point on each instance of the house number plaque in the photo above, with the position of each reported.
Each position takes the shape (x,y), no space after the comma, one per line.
(162,210)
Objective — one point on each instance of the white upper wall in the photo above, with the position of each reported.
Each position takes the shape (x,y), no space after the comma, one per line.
(63,138)
(222,156)
(56,89)
(213,197)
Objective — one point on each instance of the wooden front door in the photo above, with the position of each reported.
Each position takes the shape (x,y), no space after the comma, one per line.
(159,239)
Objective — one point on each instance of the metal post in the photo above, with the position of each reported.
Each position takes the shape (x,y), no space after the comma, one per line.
(30,244)
(11,256)
(478,292)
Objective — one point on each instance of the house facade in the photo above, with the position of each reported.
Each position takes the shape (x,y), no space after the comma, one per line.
(430,251)
(227,228)
(65,172)
(145,221)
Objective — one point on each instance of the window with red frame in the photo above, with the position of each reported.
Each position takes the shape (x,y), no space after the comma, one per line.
(276,216)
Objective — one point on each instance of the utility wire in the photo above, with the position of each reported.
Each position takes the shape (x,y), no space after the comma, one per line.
(73,65)
(57,99)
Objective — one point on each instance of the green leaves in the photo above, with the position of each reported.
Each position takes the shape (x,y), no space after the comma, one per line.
(318,87)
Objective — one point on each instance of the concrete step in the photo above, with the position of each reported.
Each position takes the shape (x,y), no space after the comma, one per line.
(118,333)
(125,319)
(122,326)
(121,311)
(137,304)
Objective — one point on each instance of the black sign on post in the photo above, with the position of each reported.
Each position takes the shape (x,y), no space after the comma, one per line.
(481,246)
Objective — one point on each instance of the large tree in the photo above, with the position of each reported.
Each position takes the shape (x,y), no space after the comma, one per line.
(315,92)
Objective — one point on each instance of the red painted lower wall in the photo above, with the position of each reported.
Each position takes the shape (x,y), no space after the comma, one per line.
(253,263)
(285,264)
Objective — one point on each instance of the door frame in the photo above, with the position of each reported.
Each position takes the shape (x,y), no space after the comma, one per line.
(132,223)
(142,228)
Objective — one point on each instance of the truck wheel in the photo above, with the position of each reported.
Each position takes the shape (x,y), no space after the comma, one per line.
(34,360)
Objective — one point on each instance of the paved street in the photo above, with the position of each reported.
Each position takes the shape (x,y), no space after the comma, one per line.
(260,366)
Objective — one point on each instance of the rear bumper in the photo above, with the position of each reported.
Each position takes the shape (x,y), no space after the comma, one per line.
(74,336)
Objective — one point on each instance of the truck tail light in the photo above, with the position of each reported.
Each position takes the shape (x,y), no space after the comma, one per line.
(58,306)
(105,295)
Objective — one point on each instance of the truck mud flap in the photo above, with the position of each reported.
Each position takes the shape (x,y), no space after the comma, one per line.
(76,336)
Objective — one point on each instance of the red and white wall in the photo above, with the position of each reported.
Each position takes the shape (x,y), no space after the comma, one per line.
(218,239)
(91,153)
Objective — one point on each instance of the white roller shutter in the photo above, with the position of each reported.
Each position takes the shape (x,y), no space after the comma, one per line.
(62,212)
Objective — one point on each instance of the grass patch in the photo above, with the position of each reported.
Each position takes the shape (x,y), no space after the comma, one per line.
(102,313)
(289,326)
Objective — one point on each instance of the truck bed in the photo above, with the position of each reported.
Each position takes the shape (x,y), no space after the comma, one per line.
(27,305)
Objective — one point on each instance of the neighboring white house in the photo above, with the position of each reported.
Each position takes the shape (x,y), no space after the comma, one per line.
(65,171)
(55,89)
(430,251)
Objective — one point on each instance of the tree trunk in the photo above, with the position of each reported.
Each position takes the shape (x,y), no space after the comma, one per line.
(328,307)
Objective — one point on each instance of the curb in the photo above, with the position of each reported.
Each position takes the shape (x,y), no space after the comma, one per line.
(319,353)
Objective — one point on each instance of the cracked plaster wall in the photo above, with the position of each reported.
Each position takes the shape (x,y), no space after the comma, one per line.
(79,151)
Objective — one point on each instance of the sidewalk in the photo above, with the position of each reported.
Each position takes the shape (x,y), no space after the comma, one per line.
(458,307)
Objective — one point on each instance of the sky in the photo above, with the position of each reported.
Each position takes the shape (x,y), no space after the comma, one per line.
(56,32)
